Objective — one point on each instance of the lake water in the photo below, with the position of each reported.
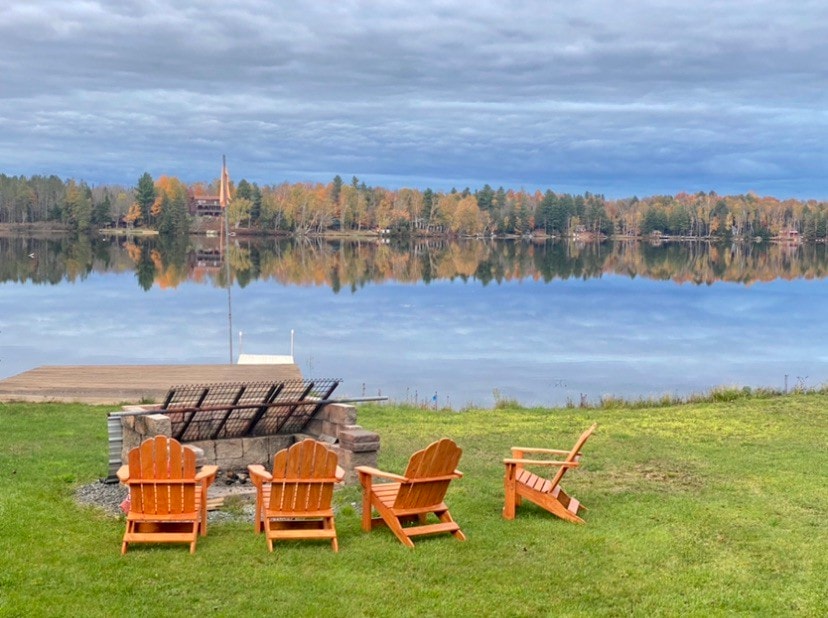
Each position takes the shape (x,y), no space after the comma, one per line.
(437,323)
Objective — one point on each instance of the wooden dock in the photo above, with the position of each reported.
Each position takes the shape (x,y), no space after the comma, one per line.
(117,384)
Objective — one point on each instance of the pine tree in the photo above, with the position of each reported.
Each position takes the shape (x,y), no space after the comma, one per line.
(145,196)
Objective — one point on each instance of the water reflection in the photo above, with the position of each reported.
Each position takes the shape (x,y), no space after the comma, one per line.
(456,321)
(351,265)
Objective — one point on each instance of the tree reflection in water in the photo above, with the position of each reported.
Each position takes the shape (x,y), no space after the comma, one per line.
(352,264)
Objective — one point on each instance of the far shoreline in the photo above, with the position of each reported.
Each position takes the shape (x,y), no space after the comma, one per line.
(43,229)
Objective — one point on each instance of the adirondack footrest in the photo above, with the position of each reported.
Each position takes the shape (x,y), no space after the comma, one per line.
(449,526)
(159,537)
(293,515)
(303,534)
(288,524)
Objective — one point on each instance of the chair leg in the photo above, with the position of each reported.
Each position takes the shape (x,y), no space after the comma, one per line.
(258,516)
(511,498)
(203,499)
(129,529)
(330,525)
(365,480)
(196,527)
(397,529)
(389,519)
(269,540)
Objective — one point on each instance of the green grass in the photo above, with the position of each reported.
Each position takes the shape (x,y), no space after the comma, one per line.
(715,508)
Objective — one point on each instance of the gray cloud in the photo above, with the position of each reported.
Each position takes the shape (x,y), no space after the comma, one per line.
(616,98)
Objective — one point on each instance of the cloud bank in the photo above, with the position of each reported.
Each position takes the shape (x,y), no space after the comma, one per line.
(615,98)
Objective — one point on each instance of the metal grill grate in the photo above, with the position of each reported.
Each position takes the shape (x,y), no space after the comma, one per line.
(235,410)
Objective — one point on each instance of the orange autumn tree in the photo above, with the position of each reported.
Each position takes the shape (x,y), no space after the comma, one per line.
(467,218)
(133,214)
(169,210)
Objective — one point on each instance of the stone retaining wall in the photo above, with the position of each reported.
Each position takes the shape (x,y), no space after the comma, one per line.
(335,425)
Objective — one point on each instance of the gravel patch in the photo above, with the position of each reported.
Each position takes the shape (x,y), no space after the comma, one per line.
(238,500)
(104,496)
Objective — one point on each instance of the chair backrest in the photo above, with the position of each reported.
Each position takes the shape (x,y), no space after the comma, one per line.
(430,470)
(162,477)
(303,477)
(574,454)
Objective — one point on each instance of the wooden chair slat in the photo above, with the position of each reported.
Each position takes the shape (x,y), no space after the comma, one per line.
(176,471)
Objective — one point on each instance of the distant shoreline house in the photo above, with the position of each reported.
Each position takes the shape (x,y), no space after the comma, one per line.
(211,205)
(204,205)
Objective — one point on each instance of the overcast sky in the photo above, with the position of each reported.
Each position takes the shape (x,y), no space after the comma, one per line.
(619,98)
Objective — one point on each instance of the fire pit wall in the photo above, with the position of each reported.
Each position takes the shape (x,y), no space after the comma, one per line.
(335,425)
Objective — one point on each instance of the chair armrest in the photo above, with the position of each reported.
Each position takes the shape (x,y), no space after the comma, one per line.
(527,449)
(258,474)
(458,474)
(123,473)
(340,474)
(369,471)
(541,462)
(207,473)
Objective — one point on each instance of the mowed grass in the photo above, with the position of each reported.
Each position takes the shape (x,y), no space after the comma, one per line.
(702,509)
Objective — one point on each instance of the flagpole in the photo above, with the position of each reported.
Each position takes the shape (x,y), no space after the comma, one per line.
(224,193)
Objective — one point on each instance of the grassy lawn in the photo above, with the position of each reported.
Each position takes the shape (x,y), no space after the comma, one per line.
(702,509)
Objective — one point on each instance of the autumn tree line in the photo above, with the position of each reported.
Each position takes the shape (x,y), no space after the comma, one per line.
(302,209)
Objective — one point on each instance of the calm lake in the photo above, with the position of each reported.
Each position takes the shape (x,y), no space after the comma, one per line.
(437,322)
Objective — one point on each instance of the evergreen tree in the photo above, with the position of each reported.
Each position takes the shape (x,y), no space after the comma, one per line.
(428,204)
(145,196)
(244,190)
(500,198)
(546,211)
(77,210)
(102,211)
(485,198)
(256,207)
(336,189)
(145,269)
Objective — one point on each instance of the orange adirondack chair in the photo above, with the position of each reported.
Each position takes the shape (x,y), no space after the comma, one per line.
(167,499)
(547,493)
(414,495)
(294,502)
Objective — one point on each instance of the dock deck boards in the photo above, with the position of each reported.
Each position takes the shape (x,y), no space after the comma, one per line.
(115,384)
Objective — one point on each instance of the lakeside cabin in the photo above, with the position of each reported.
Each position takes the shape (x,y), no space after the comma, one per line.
(204,205)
